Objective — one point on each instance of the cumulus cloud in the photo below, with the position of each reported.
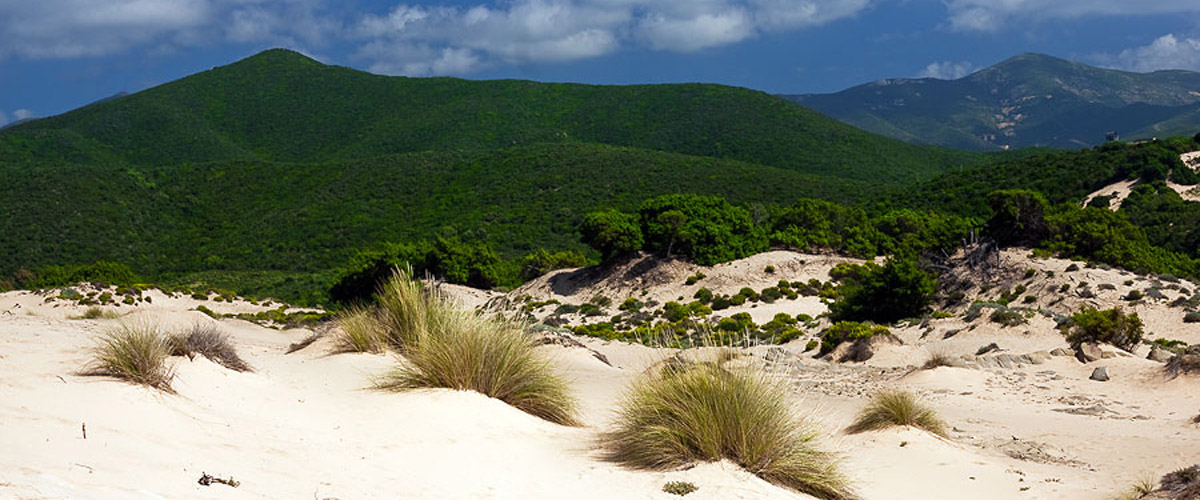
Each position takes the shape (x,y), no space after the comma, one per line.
(411,39)
(23,114)
(994,15)
(422,37)
(1166,52)
(60,29)
(947,70)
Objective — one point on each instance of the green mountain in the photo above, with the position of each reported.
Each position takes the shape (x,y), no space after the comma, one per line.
(280,167)
(1028,100)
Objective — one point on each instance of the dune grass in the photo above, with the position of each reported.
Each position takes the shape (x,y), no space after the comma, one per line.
(135,352)
(687,412)
(360,331)
(446,347)
(96,312)
(206,340)
(939,358)
(896,407)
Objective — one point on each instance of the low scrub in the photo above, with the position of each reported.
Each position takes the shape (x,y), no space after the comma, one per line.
(205,340)
(445,347)
(1007,317)
(849,331)
(1110,326)
(134,352)
(689,412)
(1182,484)
(893,407)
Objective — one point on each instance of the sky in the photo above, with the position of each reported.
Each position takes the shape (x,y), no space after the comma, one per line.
(56,55)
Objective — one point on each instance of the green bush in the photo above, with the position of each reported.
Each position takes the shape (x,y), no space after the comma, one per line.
(689,412)
(1007,317)
(706,229)
(704,295)
(693,279)
(884,294)
(680,488)
(1191,317)
(849,331)
(1110,326)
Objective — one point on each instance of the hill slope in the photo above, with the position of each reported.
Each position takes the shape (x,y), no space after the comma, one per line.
(1028,100)
(282,106)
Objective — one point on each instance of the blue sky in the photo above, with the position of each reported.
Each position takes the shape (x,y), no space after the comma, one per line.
(56,55)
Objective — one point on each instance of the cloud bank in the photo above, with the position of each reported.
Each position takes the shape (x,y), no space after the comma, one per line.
(947,70)
(995,15)
(407,38)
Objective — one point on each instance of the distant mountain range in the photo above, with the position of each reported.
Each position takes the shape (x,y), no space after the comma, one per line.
(1028,100)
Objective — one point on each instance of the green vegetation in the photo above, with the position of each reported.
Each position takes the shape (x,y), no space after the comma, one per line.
(450,348)
(688,412)
(894,407)
(680,488)
(849,331)
(135,352)
(899,289)
(1110,326)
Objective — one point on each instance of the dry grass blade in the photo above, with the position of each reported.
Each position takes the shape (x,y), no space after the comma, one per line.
(689,412)
(134,352)
(894,407)
(207,341)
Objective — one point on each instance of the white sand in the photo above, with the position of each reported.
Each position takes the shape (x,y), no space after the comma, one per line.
(307,424)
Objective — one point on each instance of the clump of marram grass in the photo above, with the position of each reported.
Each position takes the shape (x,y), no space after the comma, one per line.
(360,331)
(939,358)
(97,312)
(446,347)
(895,407)
(134,352)
(206,340)
(687,412)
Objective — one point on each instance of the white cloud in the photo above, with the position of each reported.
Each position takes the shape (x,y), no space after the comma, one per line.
(1166,52)
(947,70)
(409,38)
(60,29)
(3,118)
(994,15)
(23,114)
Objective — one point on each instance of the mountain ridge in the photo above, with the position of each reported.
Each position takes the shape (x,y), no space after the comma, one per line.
(1028,100)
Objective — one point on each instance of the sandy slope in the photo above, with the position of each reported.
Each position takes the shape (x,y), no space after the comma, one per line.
(306,425)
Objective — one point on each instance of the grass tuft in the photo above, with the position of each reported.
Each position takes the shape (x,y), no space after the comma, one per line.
(939,358)
(445,347)
(361,331)
(895,407)
(688,412)
(97,312)
(207,341)
(134,352)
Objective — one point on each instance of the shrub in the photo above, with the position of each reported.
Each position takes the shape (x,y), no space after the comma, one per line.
(1110,326)
(445,347)
(1107,286)
(680,488)
(361,330)
(900,289)
(704,295)
(691,280)
(1192,317)
(1182,484)
(207,341)
(1133,295)
(1007,317)
(769,269)
(632,305)
(689,412)
(894,407)
(1187,361)
(1072,268)
(844,331)
(812,344)
(134,352)
(612,233)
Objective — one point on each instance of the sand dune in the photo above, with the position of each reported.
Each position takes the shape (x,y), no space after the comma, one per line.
(307,424)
